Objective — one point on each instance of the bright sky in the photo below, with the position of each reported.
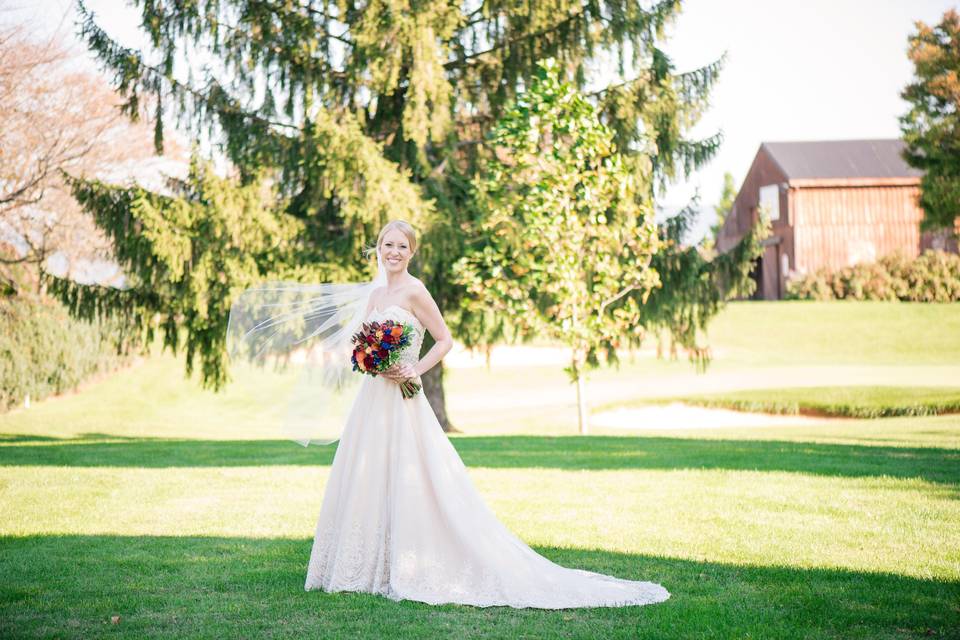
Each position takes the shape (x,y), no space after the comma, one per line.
(796,70)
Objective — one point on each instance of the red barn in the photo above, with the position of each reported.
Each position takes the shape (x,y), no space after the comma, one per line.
(832,204)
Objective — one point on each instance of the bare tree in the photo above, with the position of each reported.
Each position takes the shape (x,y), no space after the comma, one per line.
(56,116)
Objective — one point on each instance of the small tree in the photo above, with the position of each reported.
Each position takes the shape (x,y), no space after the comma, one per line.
(722,209)
(565,229)
(931,129)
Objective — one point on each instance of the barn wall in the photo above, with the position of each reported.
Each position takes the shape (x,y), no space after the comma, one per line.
(769,285)
(835,227)
(763,171)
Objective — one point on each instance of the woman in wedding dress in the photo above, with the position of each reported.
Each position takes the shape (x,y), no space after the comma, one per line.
(400,515)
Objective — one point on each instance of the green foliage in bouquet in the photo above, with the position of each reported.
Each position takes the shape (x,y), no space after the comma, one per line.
(379,346)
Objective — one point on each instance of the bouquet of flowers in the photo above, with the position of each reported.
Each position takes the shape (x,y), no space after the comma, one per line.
(378,346)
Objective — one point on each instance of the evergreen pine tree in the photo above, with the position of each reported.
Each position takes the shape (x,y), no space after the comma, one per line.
(360,112)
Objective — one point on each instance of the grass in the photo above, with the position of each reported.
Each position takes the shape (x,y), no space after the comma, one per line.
(220,587)
(144,497)
(851,402)
(840,332)
(762,538)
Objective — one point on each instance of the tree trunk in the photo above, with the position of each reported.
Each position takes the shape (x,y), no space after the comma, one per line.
(577,368)
(433,390)
(583,416)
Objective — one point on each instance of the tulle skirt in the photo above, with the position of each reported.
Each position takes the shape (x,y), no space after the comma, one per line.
(401,518)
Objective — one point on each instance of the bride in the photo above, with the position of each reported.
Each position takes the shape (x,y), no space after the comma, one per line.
(400,515)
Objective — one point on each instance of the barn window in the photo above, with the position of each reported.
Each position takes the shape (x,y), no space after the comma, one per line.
(770,200)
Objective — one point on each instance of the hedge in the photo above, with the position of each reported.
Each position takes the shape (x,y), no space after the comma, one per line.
(44,351)
(934,276)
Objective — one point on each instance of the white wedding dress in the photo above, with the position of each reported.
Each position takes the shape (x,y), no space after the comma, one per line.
(401,518)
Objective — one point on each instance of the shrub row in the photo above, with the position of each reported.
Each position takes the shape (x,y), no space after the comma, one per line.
(934,276)
(837,409)
(44,351)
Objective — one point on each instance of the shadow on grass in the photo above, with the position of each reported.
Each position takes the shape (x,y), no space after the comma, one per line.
(569,452)
(85,437)
(201,587)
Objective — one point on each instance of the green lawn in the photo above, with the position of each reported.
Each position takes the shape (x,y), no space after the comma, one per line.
(839,332)
(144,497)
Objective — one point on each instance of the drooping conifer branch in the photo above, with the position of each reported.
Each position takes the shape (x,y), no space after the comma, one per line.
(693,288)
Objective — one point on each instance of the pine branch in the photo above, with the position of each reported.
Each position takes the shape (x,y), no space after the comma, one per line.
(131,70)
(653,20)
(454,64)
(693,83)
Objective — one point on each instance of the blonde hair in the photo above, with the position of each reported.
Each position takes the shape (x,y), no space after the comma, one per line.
(403,226)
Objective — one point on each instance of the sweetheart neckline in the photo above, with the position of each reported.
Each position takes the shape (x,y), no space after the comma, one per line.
(396,306)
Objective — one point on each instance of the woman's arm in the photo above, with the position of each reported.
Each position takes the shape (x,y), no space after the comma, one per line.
(425,308)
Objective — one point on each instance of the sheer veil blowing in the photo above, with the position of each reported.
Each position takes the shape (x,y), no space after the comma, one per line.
(289,343)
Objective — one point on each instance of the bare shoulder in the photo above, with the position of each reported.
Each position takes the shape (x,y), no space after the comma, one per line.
(413,281)
(428,312)
(419,291)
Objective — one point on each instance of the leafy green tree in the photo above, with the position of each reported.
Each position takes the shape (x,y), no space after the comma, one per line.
(357,113)
(565,229)
(931,128)
(565,245)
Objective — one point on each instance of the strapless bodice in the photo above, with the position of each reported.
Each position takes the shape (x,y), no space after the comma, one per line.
(411,353)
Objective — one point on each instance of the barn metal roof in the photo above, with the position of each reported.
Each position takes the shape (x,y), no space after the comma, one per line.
(841,159)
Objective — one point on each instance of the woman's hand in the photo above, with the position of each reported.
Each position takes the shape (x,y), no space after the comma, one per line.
(400,372)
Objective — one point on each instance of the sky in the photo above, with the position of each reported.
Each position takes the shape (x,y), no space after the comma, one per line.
(796,70)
